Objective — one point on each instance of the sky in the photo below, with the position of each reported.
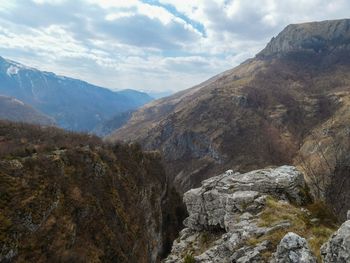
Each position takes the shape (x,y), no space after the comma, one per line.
(149,45)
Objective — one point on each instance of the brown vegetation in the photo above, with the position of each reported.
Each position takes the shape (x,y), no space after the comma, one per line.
(67,197)
(314,222)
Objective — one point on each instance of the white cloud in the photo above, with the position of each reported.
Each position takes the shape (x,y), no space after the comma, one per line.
(114,3)
(52,2)
(133,44)
(155,12)
(115,16)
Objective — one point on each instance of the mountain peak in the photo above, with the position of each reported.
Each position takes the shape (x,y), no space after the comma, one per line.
(313,37)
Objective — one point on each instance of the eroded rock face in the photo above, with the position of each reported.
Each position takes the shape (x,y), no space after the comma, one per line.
(224,215)
(293,249)
(220,198)
(337,249)
(313,37)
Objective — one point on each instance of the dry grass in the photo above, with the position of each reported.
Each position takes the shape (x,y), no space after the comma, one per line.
(189,259)
(316,233)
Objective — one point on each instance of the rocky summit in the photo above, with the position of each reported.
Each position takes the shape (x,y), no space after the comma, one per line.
(325,36)
(260,216)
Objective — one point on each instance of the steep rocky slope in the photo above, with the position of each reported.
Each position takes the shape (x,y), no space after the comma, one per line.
(15,110)
(74,104)
(67,197)
(260,216)
(114,123)
(316,37)
(272,109)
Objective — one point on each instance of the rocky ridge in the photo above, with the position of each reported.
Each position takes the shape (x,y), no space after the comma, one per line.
(260,216)
(325,36)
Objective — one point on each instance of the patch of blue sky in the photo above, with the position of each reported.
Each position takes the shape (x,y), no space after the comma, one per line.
(172,9)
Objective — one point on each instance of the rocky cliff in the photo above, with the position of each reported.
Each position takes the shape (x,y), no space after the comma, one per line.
(67,197)
(260,216)
(325,36)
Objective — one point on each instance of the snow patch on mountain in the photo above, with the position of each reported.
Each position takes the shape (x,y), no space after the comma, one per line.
(12,70)
(17,101)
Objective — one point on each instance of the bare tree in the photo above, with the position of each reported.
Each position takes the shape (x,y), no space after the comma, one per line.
(329,173)
(318,169)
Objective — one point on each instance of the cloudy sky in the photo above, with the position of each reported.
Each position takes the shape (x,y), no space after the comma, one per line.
(149,45)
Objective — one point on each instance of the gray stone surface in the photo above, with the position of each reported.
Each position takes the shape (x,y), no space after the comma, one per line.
(224,214)
(221,197)
(311,37)
(293,249)
(337,248)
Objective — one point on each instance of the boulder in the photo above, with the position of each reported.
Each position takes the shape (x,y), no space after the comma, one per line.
(293,249)
(224,216)
(337,248)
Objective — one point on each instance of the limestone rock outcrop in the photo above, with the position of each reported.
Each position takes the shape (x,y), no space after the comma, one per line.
(224,222)
(220,198)
(337,249)
(312,37)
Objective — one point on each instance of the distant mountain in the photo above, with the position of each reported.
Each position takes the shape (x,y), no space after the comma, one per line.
(74,104)
(15,110)
(289,104)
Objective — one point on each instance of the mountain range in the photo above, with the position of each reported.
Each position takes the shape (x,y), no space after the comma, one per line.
(73,104)
(287,105)
(259,154)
